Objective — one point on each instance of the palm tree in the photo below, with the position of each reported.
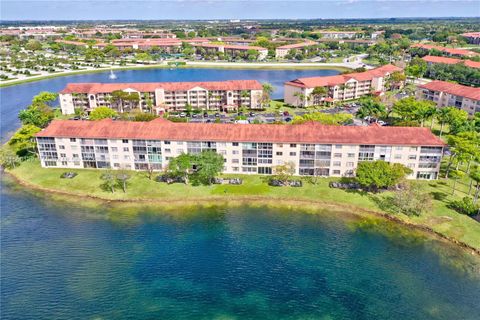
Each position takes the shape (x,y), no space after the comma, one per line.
(475,176)
(267,91)
(300,96)
(371,108)
(319,93)
(442,116)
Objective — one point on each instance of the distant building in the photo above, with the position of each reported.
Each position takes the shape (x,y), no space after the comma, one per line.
(448,51)
(327,34)
(233,50)
(282,51)
(342,87)
(173,96)
(312,148)
(447,94)
(472,37)
(435,59)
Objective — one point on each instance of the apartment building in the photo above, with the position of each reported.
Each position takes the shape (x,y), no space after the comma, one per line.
(233,50)
(447,94)
(444,60)
(298,92)
(314,149)
(163,96)
(472,37)
(447,51)
(282,51)
(328,34)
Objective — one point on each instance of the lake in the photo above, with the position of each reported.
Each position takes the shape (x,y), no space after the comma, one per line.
(63,261)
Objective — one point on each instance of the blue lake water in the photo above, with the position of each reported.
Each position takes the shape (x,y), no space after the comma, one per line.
(63,261)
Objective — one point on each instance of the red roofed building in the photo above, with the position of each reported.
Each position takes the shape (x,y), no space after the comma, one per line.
(213,95)
(342,87)
(282,51)
(447,94)
(445,60)
(314,149)
(232,50)
(448,51)
(472,37)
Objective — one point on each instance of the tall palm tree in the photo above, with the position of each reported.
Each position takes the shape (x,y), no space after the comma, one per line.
(442,115)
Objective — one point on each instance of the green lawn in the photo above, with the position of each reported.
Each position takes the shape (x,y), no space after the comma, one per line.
(254,189)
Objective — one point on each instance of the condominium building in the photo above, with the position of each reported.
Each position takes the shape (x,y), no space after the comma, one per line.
(447,51)
(298,92)
(444,60)
(328,34)
(472,37)
(233,50)
(282,51)
(312,148)
(163,96)
(447,94)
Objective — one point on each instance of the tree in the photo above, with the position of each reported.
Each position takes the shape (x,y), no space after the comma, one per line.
(318,93)
(462,148)
(23,141)
(33,45)
(118,98)
(396,79)
(267,92)
(475,176)
(370,108)
(208,165)
(8,158)
(283,172)
(442,115)
(109,181)
(375,175)
(300,96)
(45,97)
(412,199)
(456,174)
(416,68)
(38,115)
(100,113)
(143,56)
(180,166)
(122,178)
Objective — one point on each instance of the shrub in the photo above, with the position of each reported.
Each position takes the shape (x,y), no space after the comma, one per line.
(465,206)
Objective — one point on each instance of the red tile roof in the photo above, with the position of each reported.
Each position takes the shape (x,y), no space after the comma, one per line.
(445,60)
(453,88)
(340,79)
(298,45)
(168,86)
(311,132)
(452,51)
(471,34)
(230,46)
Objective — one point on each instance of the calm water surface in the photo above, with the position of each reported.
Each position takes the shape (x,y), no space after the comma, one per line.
(62,261)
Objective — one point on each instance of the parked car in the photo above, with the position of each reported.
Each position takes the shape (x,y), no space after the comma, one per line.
(182,115)
(217,115)
(286,113)
(252,114)
(288,119)
(205,114)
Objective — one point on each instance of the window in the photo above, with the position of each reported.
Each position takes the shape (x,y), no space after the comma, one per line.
(115,156)
(114,149)
(293,154)
(235,144)
(180,143)
(413,148)
(351,155)
(337,155)
(116,165)
(411,165)
(264,170)
(337,163)
(224,152)
(61,147)
(280,145)
(399,148)
(412,157)
(64,163)
(336,171)
(235,152)
(398,156)
(125,149)
(235,169)
(75,156)
(293,145)
(350,164)
(63,155)
(167,150)
(127,157)
(235,161)
(73,140)
(338,146)
(166,142)
(125,140)
(279,153)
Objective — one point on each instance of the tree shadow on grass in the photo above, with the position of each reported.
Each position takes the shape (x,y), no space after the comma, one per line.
(439,196)
(384,203)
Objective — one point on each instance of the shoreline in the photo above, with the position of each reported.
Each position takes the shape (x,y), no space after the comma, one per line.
(190,65)
(241,200)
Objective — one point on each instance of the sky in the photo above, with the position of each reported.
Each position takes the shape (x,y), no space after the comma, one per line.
(232,9)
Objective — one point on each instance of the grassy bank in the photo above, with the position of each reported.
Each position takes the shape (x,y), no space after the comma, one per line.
(141,191)
(212,65)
